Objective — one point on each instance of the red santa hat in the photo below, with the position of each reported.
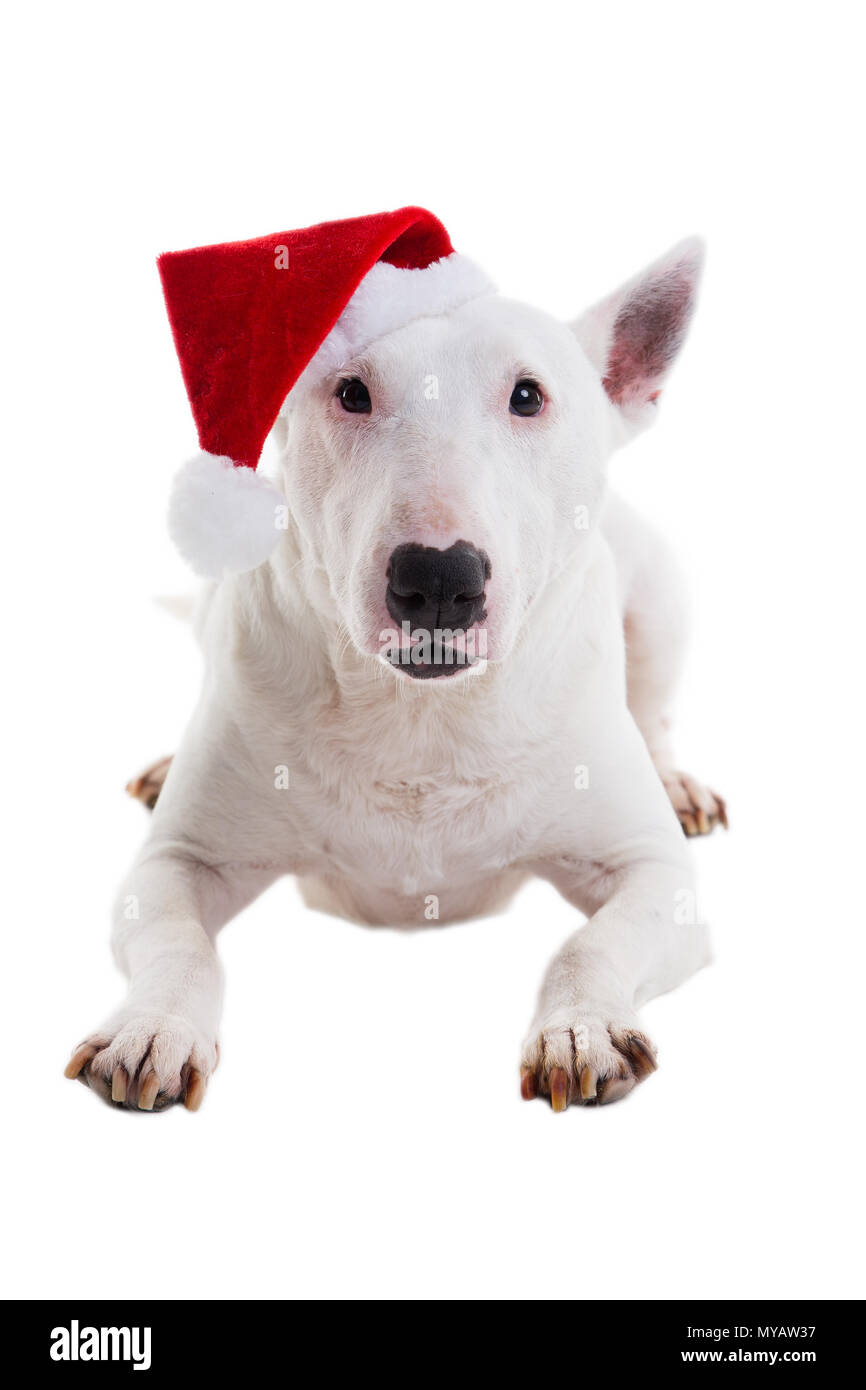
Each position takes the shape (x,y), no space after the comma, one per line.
(248,317)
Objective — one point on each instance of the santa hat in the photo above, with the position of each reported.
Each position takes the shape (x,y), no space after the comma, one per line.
(249,316)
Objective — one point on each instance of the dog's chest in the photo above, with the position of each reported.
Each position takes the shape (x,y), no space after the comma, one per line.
(426,798)
(424,829)
(380,799)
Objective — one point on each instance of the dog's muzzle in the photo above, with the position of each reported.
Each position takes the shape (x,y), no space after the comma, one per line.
(433,592)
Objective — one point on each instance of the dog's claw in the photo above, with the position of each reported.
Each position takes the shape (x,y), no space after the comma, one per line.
(528,1083)
(558,1089)
(642,1060)
(119,1081)
(79,1059)
(588,1086)
(195,1090)
(149,1092)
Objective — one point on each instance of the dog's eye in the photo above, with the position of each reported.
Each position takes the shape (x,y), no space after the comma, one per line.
(354,397)
(526,398)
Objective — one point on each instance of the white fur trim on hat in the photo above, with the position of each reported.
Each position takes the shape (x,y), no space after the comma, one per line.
(389,297)
(223,518)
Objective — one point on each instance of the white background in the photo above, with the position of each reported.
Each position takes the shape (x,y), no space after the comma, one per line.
(363,1136)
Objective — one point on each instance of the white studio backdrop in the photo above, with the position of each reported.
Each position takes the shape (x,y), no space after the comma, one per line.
(364,1136)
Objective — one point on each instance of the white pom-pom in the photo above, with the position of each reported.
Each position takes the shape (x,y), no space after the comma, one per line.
(222,518)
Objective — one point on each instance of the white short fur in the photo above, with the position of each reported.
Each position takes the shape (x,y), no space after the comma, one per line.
(457,788)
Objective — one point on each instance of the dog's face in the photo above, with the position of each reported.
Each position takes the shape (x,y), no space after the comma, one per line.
(445,475)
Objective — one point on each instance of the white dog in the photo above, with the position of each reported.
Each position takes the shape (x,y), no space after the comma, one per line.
(448,481)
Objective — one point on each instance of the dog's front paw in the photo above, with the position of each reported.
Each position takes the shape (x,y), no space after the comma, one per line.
(146,1061)
(591,1061)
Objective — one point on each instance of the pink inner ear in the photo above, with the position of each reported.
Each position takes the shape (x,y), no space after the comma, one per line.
(647,335)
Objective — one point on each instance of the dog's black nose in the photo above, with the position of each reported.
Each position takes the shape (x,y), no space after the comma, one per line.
(432,588)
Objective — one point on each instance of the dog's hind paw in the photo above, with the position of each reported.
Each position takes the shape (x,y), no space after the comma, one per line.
(589,1063)
(698,809)
(146,1062)
(148,785)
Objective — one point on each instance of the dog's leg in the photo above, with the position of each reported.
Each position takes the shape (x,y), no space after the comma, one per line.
(655,625)
(653,646)
(161,1045)
(586,1044)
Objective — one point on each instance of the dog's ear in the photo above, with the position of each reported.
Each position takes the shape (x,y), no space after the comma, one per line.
(633,336)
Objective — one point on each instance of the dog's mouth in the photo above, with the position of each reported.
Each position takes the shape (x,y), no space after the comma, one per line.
(433,658)
(452,663)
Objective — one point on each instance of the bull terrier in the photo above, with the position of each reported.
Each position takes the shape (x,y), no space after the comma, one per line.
(454,671)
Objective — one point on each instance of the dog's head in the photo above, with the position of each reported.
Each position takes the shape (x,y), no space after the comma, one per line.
(443,477)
